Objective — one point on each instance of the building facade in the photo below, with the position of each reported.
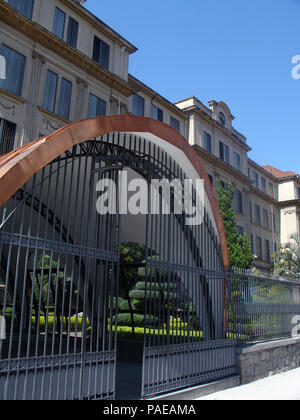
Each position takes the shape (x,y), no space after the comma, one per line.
(63,64)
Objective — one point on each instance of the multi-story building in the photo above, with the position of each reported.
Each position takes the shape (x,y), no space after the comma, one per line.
(224,152)
(64,64)
(288,201)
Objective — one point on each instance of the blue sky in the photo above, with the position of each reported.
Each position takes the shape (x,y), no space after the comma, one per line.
(237,51)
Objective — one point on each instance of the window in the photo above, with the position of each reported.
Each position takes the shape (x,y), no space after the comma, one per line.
(267,251)
(274,222)
(255,179)
(211,180)
(59,23)
(240,231)
(257,215)
(263,185)
(97,107)
(224,185)
(174,123)
(224,152)
(271,190)
(50,91)
(238,201)
(138,105)
(252,244)
(222,118)
(265,219)
(15,67)
(157,113)
(101,52)
(259,248)
(298,193)
(72,35)
(23,6)
(7,136)
(237,161)
(207,142)
(65,99)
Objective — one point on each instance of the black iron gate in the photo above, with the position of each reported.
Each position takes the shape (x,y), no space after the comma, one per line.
(59,280)
(185,342)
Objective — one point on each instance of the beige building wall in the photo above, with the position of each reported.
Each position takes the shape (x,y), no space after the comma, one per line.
(278,197)
(151,98)
(27,110)
(263,233)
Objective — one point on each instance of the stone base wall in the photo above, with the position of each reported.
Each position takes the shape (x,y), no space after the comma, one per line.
(266,359)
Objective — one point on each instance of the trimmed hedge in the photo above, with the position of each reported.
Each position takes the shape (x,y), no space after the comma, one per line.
(124,332)
(73,322)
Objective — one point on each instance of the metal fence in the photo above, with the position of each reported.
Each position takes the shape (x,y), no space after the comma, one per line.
(261,308)
(72,302)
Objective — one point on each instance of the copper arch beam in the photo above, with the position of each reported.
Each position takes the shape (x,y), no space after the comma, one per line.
(18,166)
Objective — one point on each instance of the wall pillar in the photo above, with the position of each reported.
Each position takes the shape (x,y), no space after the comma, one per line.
(80,100)
(33,96)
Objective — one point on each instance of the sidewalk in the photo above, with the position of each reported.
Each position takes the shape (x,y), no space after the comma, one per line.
(284,386)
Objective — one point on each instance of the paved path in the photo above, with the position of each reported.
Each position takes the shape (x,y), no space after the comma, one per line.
(284,386)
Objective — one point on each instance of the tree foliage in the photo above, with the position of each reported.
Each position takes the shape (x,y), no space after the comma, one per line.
(239,247)
(287,258)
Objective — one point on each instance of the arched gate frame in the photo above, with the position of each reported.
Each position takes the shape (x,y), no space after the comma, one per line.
(60,264)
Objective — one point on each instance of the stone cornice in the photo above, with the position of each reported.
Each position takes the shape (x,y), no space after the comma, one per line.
(137,85)
(98,24)
(48,40)
(260,168)
(264,196)
(12,97)
(289,178)
(289,203)
(208,157)
(194,109)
